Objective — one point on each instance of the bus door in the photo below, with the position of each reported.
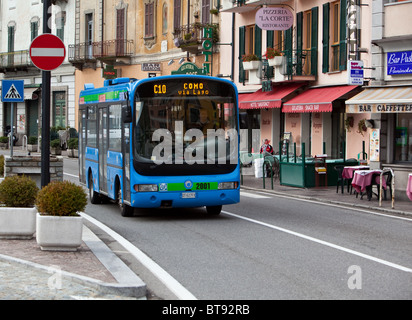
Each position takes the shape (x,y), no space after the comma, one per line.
(103,146)
(126,160)
(82,144)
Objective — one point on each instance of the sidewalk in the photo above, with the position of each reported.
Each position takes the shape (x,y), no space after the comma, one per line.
(95,271)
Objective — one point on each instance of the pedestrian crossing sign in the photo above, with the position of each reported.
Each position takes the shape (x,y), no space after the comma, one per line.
(12,91)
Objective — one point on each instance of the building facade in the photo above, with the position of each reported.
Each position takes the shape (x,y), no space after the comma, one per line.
(21,22)
(140,39)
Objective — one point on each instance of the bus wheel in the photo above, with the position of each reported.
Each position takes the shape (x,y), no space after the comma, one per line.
(213,210)
(125,210)
(93,195)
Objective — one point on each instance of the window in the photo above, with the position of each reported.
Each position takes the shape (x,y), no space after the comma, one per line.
(115,127)
(149,20)
(34,29)
(59,108)
(89,35)
(177,17)
(403,138)
(334,36)
(91,134)
(120,32)
(60,22)
(205,11)
(250,42)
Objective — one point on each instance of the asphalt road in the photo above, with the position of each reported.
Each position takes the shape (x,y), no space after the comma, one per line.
(272,247)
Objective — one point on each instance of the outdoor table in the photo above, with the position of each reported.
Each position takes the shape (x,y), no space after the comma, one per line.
(362,180)
(409,187)
(348,171)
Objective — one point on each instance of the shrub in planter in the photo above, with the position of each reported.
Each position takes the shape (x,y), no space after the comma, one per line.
(59,226)
(61,198)
(4,142)
(55,146)
(17,213)
(18,191)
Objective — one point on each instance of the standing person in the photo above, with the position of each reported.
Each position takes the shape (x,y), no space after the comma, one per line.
(266,147)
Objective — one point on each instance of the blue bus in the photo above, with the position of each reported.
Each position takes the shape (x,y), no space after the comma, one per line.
(164,142)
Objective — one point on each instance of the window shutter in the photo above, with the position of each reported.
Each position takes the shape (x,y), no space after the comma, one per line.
(288,50)
(342,43)
(270,43)
(325,38)
(299,42)
(314,44)
(242,35)
(258,41)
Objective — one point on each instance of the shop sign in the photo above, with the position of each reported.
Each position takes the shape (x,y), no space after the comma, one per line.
(355,72)
(274,18)
(379,108)
(189,68)
(150,67)
(109,72)
(399,62)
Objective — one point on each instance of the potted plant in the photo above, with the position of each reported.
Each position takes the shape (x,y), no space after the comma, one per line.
(32,144)
(250,62)
(4,142)
(362,127)
(73,146)
(55,147)
(59,227)
(17,211)
(349,123)
(273,56)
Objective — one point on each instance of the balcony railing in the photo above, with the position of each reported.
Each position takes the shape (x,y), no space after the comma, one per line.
(296,65)
(190,37)
(14,61)
(87,52)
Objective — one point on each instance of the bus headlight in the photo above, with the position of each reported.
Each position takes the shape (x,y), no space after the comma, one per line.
(227,185)
(145,187)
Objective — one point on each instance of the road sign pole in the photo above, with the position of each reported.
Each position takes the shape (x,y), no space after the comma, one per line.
(11,142)
(45,131)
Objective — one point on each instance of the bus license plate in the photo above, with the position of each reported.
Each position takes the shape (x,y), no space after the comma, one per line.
(188,195)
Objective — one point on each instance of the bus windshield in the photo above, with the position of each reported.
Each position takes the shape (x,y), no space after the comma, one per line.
(180,123)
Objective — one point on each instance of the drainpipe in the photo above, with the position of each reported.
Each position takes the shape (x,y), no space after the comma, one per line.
(232,72)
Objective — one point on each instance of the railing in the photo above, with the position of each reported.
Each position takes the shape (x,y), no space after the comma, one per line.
(192,34)
(301,62)
(87,51)
(15,59)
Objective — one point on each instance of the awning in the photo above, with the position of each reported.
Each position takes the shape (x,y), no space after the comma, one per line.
(271,99)
(316,99)
(30,93)
(381,100)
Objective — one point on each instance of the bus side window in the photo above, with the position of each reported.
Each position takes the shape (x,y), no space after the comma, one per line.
(115,127)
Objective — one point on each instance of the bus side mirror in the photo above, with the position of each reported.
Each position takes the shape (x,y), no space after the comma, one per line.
(127,114)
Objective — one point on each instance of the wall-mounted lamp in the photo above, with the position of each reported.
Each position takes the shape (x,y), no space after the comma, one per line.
(181,60)
(170,62)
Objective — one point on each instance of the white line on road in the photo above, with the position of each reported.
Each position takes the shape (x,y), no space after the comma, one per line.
(325,243)
(253,195)
(181,292)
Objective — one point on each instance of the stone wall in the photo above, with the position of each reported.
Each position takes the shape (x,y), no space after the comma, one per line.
(31,166)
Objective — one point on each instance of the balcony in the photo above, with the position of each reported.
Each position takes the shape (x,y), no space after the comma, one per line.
(15,61)
(241,6)
(295,65)
(190,37)
(112,52)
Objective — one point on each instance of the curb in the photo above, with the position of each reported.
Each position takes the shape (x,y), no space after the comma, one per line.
(391,211)
(129,284)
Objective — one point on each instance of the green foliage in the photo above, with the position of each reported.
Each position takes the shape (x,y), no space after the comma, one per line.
(4,139)
(1,165)
(61,198)
(18,191)
(73,143)
(32,140)
(55,143)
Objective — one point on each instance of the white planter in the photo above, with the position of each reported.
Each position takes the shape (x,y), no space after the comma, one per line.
(59,233)
(17,223)
(251,65)
(276,61)
(255,77)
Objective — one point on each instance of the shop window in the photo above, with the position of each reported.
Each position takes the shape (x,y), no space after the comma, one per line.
(403,138)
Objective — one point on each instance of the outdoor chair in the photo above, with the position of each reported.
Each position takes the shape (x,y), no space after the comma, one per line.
(387,175)
(340,181)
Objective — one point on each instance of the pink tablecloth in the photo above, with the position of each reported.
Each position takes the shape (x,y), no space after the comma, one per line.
(363,179)
(348,171)
(409,187)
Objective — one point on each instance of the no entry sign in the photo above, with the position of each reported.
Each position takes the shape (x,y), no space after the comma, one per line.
(47,52)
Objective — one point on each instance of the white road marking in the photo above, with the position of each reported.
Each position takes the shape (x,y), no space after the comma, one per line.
(253,195)
(325,243)
(181,292)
